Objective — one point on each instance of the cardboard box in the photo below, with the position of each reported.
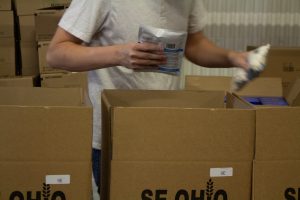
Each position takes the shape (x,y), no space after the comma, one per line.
(29,59)
(175,145)
(41,132)
(43,66)
(19,81)
(58,80)
(277,152)
(6,24)
(46,23)
(261,86)
(283,62)
(5,5)
(293,93)
(27,28)
(30,6)
(7,57)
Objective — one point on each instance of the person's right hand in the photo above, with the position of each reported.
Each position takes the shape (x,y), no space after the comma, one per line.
(141,56)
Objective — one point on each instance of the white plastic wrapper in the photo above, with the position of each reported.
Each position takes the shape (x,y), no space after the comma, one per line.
(257,63)
(173,43)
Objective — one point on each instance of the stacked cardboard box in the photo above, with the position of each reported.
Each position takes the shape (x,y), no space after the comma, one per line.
(5,5)
(65,80)
(19,81)
(25,11)
(283,62)
(7,40)
(46,21)
(45,143)
(176,145)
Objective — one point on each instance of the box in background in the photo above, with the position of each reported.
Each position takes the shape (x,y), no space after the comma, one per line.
(7,57)
(41,130)
(5,5)
(65,80)
(43,66)
(27,28)
(268,91)
(19,81)
(46,22)
(6,24)
(293,93)
(29,59)
(176,144)
(28,7)
(283,62)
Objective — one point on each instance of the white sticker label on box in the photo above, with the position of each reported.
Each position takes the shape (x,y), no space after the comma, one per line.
(221,172)
(58,179)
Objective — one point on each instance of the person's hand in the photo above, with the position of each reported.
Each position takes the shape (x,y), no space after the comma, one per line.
(239,59)
(141,56)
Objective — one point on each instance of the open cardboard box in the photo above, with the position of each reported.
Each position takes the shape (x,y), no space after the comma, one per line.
(176,145)
(45,143)
(276,163)
(277,151)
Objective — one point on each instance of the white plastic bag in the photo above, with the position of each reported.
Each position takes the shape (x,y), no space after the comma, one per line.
(257,63)
(173,43)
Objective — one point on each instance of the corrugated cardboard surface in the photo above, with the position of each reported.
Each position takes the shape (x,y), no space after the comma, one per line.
(7,57)
(276,180)
(6,24)
(44,131)
(29,56)
(149,134)
(293,94)
(43,66)
(28,7)
(27,28)
(46,22)
(284,63)
(19,179)
(178,180)
(5,5)
(26,81)
(65,80)
(161,133)
(278,134)
(261,86)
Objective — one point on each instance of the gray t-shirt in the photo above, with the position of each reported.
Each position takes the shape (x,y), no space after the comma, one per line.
(109,22)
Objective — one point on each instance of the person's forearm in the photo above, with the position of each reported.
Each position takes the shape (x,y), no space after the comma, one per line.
(75,57)
(203,52)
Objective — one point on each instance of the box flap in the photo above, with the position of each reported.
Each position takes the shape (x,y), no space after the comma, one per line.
(293,94)
(261,86)
(169,119)
(208,83)
(164,98)
(35,96)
